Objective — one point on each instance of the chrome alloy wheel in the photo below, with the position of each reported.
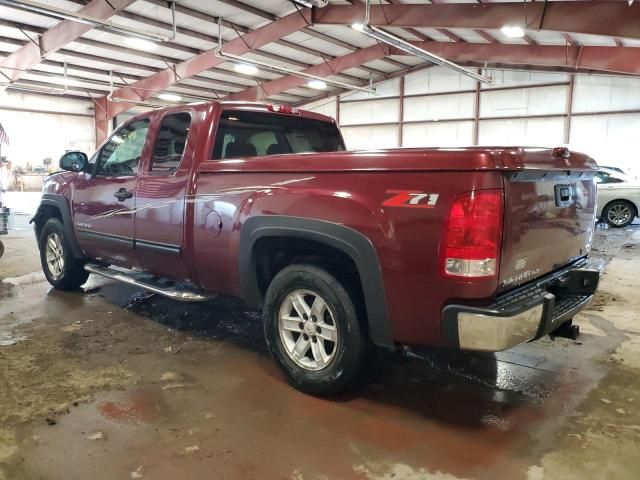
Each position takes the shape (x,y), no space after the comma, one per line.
(54,255)
(308,329)
(619,214)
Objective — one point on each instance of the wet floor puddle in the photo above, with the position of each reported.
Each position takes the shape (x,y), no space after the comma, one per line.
(131,408)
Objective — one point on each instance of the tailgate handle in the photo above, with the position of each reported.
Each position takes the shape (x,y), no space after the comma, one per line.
(563,195)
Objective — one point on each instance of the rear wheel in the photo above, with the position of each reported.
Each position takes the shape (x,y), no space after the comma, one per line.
(313,331)
(619,214)
(62,269)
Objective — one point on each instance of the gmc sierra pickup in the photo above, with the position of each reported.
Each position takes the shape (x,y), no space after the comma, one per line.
(469,248)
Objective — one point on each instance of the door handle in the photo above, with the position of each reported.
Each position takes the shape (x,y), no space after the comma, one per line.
(122,194)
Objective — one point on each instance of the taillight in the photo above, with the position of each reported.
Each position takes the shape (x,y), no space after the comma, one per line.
(283,109)
(472,239)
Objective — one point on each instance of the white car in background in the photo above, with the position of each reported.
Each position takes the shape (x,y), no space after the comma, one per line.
(618,197)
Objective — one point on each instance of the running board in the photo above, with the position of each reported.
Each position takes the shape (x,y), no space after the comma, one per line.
(173,292)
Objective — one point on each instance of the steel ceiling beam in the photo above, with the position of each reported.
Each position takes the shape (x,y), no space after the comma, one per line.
(376,81)
(309,31)
(234,26)
(171,45)
(199,63)
(32,53)
(622,60)
(597,18)
(124,64)
(147,20)
(137,66)
(617,60)
(332,67)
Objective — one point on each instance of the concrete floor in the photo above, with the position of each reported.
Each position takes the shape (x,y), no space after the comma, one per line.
(112,383)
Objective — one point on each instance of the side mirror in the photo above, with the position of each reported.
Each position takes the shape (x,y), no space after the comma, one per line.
(74,161)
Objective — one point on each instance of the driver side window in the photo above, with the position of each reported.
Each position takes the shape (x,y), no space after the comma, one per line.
(121,154)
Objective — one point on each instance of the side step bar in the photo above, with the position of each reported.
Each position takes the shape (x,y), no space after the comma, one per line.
(173,292)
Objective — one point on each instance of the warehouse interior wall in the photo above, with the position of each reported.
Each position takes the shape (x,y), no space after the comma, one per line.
(41,126)
(598,115)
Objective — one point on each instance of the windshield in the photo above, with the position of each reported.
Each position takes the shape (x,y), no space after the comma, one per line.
(602,176)
(251,134)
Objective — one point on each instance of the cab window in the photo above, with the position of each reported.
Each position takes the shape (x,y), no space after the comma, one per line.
(251,134)
(170,143)
(120,156)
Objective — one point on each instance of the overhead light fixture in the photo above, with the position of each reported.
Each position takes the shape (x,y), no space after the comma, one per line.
(238,61)
(312,3)
(170,97)
(317,84)
(140,43)
(246,69)
(407,47)
(512,31)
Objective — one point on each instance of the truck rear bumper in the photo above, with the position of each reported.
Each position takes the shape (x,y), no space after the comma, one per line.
(524,314)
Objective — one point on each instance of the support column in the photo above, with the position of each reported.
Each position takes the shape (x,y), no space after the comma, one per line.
(401,119)
(476,115)
(101,119)
(569,110)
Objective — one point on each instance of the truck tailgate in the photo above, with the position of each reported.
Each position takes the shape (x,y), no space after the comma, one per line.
(549,216)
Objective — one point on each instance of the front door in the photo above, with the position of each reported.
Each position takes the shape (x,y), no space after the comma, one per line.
(162,184)
(104,202)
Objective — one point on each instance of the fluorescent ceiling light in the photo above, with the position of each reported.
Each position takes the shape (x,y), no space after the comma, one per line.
(238,61)
(246,69)
(317,84)
(407,47)
(170,97)
(512,31)
(140,43)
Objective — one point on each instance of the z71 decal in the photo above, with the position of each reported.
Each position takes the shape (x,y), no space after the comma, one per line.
(411,199)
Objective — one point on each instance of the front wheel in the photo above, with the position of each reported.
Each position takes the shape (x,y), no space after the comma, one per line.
(619,214)
(313,331)
(62,269)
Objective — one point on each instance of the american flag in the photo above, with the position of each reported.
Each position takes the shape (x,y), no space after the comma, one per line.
(4,138)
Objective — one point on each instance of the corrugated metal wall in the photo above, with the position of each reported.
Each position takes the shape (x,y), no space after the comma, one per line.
(437,107)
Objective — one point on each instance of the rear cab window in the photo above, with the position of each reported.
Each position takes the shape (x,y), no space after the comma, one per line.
(251,134)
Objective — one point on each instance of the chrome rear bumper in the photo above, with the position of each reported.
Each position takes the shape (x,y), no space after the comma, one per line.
(524,314)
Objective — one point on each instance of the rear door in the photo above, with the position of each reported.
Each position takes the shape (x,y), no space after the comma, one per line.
(104,201)
(549,220)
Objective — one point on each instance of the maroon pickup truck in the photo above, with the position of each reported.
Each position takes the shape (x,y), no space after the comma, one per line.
(469,248)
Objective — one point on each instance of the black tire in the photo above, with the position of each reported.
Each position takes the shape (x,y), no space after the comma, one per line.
(608,214)
(351,346)
(72,274)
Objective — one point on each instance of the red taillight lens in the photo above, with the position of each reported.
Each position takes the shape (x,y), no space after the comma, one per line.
(282,109)
(472,238)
